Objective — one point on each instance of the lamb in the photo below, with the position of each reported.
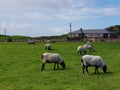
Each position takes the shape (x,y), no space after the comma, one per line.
(48,46)
(95,61)
(81,50)
(52,58)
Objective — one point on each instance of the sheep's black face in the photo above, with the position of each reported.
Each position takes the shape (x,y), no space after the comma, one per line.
(49,48)
(104,68)
(63,65)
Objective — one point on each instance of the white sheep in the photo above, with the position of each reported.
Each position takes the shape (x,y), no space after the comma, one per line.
(88,42)
(48,46)
(95,61)
(90,47)
(52,58)
(31,42)
(81,50)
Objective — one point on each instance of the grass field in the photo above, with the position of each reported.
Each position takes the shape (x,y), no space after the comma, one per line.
(20,67)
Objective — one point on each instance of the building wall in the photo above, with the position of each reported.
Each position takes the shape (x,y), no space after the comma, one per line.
(92,35)
(75,35)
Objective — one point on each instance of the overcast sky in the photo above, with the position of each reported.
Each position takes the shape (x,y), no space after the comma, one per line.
(52,17)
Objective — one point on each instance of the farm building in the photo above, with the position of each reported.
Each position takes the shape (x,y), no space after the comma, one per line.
(91,33)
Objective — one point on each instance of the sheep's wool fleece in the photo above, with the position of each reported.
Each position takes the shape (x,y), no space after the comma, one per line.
(47,45)
(81,48)
(52,57)
(90,60)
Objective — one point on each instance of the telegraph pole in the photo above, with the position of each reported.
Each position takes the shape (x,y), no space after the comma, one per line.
(70,28)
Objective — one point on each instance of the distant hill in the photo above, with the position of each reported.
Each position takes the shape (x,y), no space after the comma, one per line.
(52,37)
(10,38)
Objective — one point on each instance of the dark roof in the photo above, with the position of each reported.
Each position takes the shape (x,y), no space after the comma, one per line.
(92,31)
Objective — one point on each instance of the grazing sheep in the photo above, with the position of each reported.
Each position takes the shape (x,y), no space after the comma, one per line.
(89,47)
(48,46)
(31,42)
(81,50)
(96,61)
(88,42)
(47,41)
(52,58)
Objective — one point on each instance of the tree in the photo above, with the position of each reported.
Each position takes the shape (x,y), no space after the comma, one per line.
(115,28)
(9,39)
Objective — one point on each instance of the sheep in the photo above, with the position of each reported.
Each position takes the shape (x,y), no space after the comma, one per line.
(90,47)
(47,41)
(81,50)
(95,61)
(48,46)
(88,42)
(31,42)
(52,58)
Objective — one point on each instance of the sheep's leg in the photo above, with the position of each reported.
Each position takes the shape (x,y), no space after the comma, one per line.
(83,68)
(54,65)
(57,66)
(43,67)
(87,69)
(96,69)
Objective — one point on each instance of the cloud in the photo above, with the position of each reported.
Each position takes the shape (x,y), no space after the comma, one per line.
(43,17)
(37,15)
(59,9)
(84,11)
(25,15)
(109,11)
(33,9)
(84,3)
(34,4)
(33,30)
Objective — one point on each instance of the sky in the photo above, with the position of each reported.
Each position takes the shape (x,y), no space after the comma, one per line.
(52,17)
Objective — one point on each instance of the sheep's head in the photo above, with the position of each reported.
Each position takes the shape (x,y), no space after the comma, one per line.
(49,48)
(104,68)
(63,64)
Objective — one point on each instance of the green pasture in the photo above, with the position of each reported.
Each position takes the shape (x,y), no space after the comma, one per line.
(20,67)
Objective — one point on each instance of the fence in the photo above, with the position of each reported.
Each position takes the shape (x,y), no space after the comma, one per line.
(105,39)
